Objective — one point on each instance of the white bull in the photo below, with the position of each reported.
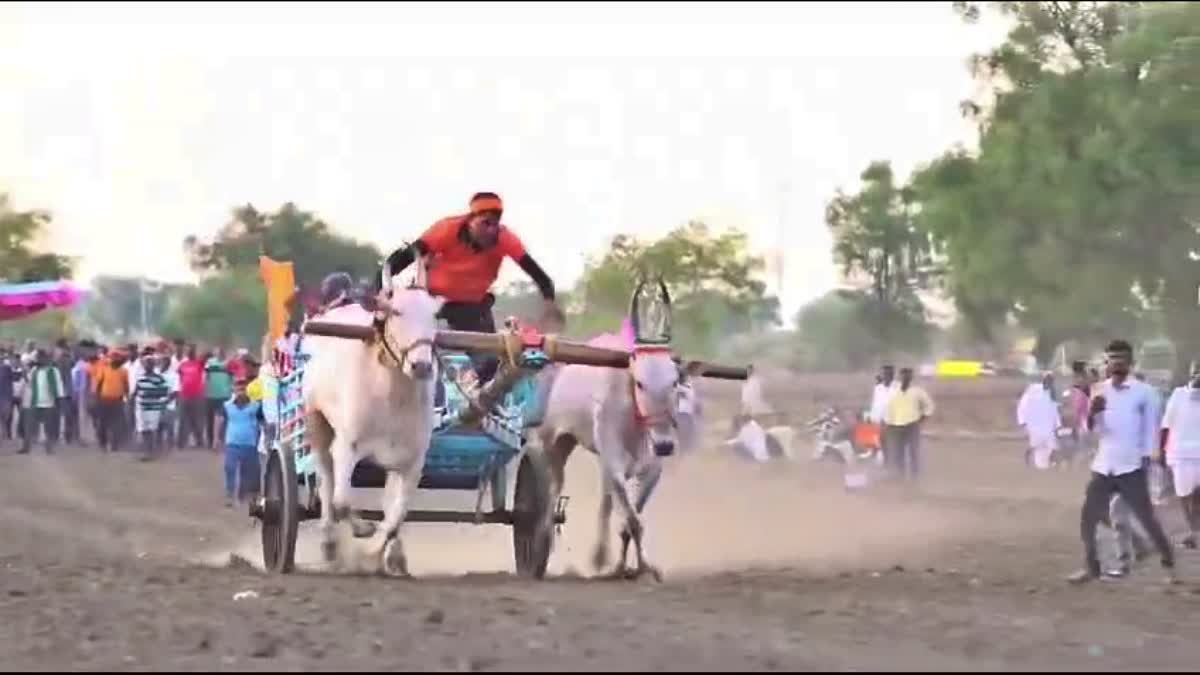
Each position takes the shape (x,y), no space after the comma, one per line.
(373,400)
(630,419)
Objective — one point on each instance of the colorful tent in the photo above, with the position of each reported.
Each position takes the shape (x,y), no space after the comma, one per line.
(18,301)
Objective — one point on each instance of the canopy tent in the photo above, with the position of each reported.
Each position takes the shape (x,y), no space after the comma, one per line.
(18,301)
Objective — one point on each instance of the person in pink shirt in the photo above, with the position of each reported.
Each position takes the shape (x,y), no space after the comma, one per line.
(237,365)
(191,398)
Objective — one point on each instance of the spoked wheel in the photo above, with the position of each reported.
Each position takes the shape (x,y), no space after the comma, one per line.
(531,506)
(280,512)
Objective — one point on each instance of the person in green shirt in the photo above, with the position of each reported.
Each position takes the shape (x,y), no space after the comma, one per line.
(43,398)
(218,388)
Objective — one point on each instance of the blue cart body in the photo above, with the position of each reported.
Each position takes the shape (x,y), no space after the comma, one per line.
(459,457)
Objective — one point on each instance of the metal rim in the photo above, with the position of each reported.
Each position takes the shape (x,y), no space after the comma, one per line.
(531,501)
(280,517)
(271,498)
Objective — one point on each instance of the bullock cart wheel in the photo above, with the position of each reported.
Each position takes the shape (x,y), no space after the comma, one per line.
(531,504)
(281,512)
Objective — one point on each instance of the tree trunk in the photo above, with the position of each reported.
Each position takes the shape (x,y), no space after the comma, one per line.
(1043,349)
(1182,318)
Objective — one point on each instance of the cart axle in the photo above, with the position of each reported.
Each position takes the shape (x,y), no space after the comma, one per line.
(260,510)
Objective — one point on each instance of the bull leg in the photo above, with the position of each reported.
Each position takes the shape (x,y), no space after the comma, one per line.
(343,467)
(644,485)
(618,491)
(556,449)
(396,492)
(600,552)
(320,438)
(325,492)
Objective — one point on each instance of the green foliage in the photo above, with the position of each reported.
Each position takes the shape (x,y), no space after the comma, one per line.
(19,260)
(1078,214)
(288,234)
(839,332)
(228,309)
(114,306)
(713,281)
(44,327)
(229,306)
(875,238)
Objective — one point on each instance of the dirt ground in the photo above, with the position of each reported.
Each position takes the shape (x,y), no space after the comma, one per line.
(108,563)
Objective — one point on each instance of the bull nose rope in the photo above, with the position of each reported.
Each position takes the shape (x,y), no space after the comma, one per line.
(401,358)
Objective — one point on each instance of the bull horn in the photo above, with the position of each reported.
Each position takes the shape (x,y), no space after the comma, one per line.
(665,294)
(633,309)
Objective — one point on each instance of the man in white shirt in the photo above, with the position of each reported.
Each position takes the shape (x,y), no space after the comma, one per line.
(882,394)
(754,404)
(1124,415)
(1037,414)
(1180,441)
(168,424)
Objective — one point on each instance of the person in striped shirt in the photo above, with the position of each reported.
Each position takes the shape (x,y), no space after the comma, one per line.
(151,395)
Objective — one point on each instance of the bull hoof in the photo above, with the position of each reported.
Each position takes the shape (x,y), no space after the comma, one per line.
(329,551)
(619,574)
(653,571)
(362,529)
(395,563)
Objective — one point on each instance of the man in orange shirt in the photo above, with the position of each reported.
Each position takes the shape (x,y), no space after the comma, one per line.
(111,386)
(465,253)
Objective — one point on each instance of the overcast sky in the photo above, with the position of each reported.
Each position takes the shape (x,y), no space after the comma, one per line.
(137,125)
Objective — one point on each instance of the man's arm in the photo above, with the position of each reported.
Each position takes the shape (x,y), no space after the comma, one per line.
(1150,422)
(404,256)
(1168,421)
(219,434)
(538,275)
(926,404)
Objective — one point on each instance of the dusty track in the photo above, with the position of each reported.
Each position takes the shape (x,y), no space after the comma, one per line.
(107,563)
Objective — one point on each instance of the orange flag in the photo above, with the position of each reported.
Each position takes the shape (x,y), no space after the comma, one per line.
(280,280)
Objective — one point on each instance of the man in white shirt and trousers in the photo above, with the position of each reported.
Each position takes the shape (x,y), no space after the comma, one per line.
(1037,414)
(881,395)
(1124,415)
(1180,441)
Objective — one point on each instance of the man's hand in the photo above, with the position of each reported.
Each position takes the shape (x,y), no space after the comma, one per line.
(553,320)
(1156,456)
(1098,405)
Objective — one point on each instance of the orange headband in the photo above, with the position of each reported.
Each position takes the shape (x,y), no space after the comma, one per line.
(486,204)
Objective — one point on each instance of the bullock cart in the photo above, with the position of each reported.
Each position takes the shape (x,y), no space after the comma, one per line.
(475,440)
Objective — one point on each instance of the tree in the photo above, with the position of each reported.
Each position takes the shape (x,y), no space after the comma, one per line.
(288,234)
(875,236)
(19,260)
(223,310)
(711,277)
(1058,219)
(115,304)
(1155,171)
(229,305)
(836,333)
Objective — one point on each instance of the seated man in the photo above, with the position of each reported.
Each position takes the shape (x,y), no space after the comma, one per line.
(464,256)
(336,291)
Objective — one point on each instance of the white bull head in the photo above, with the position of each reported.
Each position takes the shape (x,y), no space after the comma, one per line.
(410,327)
(655,379)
